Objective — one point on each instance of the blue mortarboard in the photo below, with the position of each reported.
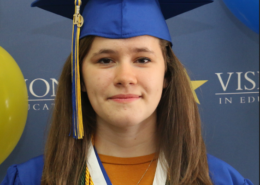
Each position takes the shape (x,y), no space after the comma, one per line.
(123,18)
(113,19)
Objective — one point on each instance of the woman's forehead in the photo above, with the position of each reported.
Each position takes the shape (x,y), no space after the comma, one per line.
(143,43)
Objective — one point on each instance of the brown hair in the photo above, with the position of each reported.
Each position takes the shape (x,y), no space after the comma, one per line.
(178,123)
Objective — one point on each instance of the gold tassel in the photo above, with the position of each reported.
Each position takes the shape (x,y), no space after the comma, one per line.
(78,130)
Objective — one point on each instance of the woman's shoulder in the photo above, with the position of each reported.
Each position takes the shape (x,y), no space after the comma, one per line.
(222,173)
(28,173)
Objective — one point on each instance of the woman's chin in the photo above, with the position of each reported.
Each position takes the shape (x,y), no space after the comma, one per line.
(128,120)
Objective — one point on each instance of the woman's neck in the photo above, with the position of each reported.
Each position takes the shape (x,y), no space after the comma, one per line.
(131,141)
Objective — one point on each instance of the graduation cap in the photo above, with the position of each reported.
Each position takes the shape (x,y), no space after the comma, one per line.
(113,19)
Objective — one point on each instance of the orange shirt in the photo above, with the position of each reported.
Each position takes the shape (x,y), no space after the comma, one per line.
(128,171)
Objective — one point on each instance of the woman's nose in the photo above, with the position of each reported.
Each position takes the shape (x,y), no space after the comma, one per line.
(125,74)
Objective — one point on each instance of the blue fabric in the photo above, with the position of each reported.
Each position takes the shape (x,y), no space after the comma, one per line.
(222,173)
(123,18)
(170,8)
(29,173)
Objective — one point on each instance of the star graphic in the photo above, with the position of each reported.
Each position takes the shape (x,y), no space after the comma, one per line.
(195,84)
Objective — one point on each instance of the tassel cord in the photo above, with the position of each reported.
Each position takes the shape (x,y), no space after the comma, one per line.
(77,120)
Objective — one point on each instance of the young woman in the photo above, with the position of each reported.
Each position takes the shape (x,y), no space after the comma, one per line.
(141,123)
(136,102)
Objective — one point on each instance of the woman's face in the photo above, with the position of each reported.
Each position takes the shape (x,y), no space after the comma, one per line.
(124,79)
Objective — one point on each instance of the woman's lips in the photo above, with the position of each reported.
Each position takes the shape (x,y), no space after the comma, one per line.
(125,98)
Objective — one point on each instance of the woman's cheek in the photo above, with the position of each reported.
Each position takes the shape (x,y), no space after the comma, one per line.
(100,84)
(153,83)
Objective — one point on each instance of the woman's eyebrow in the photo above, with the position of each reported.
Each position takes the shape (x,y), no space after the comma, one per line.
(104,51)
(140,50)
(134,50)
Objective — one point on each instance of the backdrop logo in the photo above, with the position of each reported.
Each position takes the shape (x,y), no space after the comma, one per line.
(238,87)
(42,93)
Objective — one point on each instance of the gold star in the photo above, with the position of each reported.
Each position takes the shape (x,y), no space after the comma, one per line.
(195,84)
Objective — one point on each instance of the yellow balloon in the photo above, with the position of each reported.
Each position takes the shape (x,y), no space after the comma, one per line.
(13,104)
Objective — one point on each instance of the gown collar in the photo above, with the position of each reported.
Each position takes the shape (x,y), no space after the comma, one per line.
(100,177)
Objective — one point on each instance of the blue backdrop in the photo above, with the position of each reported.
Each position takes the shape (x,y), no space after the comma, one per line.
(210,41)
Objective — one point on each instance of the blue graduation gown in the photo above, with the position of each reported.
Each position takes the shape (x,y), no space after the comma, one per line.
(30,172)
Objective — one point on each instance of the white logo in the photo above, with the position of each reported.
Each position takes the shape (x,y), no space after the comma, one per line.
(41,93)
(245,89)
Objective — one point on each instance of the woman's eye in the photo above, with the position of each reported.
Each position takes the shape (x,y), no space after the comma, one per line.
(105,61)
(143,60)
